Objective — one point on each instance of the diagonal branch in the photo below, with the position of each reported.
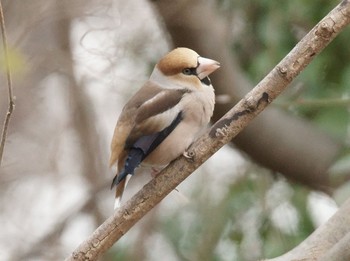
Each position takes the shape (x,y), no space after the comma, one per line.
(219,134)
(329,242)
(340,250)
(11,103)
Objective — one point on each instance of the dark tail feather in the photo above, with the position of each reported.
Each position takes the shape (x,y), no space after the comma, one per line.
(143,147)
(133,160)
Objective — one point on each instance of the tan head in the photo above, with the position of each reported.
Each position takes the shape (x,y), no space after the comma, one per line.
(185,67)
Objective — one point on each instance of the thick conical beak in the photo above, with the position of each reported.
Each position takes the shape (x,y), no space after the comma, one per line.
(205,67)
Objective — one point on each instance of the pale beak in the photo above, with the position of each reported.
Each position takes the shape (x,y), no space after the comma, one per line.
(205,67)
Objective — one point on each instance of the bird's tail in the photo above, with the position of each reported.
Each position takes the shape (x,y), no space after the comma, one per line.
(133,159)
(119,190)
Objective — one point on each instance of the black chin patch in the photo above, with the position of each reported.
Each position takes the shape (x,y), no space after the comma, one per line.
(206,81)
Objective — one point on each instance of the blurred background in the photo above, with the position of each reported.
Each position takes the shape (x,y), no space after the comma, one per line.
(75,63)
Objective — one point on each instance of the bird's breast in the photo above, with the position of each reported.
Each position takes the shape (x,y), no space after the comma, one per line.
(197,109)
(174,145)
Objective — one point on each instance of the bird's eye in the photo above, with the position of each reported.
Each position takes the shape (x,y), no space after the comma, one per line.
(187,71)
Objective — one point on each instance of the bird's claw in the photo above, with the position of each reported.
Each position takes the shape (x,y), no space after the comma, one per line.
(155,171)
(189,155)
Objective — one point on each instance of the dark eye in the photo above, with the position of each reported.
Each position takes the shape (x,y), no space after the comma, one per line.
(187,71)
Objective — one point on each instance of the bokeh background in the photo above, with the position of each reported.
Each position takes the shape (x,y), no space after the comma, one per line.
(75,63)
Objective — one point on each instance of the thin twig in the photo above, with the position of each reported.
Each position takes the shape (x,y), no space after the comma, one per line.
(316,103)
(11,103)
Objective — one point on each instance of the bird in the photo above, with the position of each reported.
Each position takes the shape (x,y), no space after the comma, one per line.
(163,118)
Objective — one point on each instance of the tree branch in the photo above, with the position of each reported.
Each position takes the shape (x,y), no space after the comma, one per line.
(218,135)
(11,103)
(340,250)
(317,103)
(325,241)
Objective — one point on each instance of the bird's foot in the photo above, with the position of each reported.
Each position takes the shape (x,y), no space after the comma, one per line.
(189,155)
(154,172)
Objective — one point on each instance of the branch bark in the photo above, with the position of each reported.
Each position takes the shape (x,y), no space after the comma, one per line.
(11,103)
(339,251)
(327,242)
(218,135)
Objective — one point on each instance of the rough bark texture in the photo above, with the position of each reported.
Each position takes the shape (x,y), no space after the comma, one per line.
(326,241)
(220,133)
(275,139)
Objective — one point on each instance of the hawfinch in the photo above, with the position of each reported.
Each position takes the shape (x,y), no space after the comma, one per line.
(164,117)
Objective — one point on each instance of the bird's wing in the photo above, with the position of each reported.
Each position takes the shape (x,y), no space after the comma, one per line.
(142,148)
(151,110)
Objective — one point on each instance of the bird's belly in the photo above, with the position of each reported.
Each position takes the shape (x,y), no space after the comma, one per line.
(173,146)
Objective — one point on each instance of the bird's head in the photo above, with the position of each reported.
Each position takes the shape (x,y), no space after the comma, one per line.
(183,67)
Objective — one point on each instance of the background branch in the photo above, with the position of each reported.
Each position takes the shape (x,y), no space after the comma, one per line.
(58,228)
(325,241)
(11,103)
(220,133)
(340,250)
